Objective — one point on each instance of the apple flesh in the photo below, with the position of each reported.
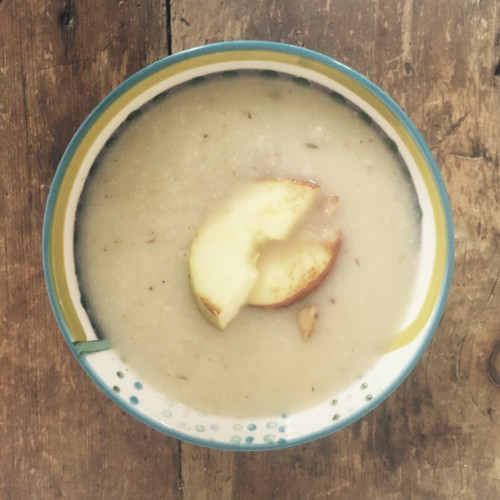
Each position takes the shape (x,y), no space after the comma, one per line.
(291,270)
(223,258)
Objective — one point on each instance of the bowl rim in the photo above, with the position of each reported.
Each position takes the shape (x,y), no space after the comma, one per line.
(263,46)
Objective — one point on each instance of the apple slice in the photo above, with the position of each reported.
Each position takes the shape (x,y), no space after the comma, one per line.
(290,270)
(223,257)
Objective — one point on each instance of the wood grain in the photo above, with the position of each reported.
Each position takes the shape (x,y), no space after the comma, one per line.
(60,437)
(437,436)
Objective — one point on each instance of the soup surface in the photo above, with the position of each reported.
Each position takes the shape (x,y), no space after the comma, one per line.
(155,183)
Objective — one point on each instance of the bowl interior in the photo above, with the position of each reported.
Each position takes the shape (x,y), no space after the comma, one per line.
(120,381)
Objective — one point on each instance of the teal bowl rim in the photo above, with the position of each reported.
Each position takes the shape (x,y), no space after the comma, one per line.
(253,46)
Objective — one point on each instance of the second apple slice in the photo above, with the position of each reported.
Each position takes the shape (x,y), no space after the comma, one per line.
(289,270)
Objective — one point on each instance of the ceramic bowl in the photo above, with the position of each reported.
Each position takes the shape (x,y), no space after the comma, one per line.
(119,381)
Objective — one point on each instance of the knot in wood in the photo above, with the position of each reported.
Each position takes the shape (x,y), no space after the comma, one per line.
(67,18)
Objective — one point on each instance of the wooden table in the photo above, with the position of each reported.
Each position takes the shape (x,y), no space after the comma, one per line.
(437,436)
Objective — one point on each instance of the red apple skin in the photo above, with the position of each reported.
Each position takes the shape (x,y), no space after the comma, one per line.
(311,285)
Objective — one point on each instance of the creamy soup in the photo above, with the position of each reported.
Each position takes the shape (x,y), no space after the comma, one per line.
(165,170)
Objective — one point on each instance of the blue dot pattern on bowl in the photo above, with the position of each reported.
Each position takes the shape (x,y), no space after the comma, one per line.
(240,432)
(261,432)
